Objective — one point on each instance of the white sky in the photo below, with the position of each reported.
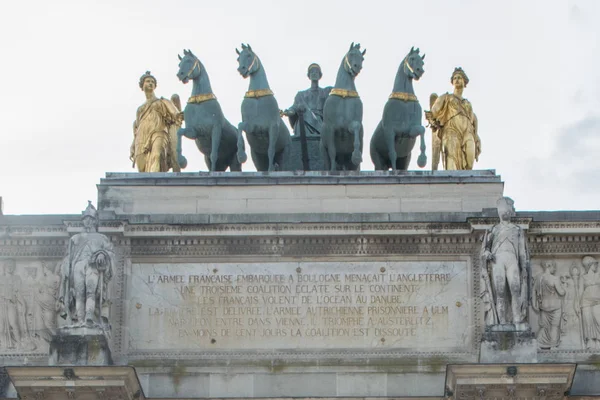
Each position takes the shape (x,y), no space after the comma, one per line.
(70,73)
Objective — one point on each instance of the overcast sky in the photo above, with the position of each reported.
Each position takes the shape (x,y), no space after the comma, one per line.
(70,73)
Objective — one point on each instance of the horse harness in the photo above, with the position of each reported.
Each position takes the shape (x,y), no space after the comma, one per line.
(196,64)
(201,98)
(403,96)
(254,94)
(343,93)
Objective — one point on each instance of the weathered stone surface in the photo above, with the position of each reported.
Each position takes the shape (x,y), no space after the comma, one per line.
(476,382)
(92,383)
(411,305)
(84,346)
(299,192)
(508,346)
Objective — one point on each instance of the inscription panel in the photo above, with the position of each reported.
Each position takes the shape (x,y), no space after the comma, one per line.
(417,305)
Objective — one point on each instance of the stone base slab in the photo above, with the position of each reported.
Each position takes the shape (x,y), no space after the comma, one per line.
(78,348)
(508,347)
(299,192)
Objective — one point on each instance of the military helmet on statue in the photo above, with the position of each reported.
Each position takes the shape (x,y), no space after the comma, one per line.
(90,211)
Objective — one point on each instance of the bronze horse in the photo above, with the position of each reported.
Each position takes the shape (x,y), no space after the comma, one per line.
(396,133)
(267,134)
(342,137)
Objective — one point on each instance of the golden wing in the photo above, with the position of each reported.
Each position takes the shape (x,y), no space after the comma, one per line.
(432,98)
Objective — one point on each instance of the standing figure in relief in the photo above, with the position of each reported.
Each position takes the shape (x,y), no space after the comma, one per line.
(155,129)
(13,309)
(548,297)
(453,120)
(86,271)
(589,304)
(46,303)
(507,270)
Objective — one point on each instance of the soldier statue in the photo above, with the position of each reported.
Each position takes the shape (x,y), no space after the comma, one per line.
(86,271)
(505,270)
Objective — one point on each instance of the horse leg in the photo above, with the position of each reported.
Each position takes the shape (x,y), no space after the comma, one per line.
(389,135)
(188,133)
(273,133)
(331,152)
(234,165)
(216,142)
(259,160)
(416,130)
(241,146)
(324,155)
(356,128)
(378,161)
(403,162)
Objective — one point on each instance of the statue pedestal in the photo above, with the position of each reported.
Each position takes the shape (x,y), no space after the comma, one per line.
(504,344)
(294,160)
(242,197)
(79,346)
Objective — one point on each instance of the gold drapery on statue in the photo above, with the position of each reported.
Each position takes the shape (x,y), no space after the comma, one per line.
(453,120)
(155,131)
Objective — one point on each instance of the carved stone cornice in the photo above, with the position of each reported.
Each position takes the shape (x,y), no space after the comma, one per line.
(304,229)
(49,383)
(478,223)
(510,382)
(350,245)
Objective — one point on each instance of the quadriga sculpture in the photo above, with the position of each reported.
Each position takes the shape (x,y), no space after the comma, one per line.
(267,134)
(215,137)
(342,137)
(396,133)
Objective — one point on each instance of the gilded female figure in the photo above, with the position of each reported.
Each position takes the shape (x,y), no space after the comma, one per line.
(155,126)
(456,125)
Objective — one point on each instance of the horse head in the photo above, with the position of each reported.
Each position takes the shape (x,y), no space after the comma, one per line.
(412,65)
(189,67)
(248,61)
(354,59)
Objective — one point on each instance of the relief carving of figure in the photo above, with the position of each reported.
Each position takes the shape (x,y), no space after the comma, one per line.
(85,273)
(309,104)
(13,310)
(506,269)
(155,131)
(589,303)
(548,299)
(46,303)
(453,120)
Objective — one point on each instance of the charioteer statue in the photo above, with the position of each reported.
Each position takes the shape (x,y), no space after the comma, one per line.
(309,104)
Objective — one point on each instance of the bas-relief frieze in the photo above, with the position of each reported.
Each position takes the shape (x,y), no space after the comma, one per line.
(34,249)
(28,305)
(410,305)
(566,303)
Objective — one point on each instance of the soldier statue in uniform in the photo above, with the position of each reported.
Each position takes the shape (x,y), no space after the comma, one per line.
(505,270)
(86,271)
